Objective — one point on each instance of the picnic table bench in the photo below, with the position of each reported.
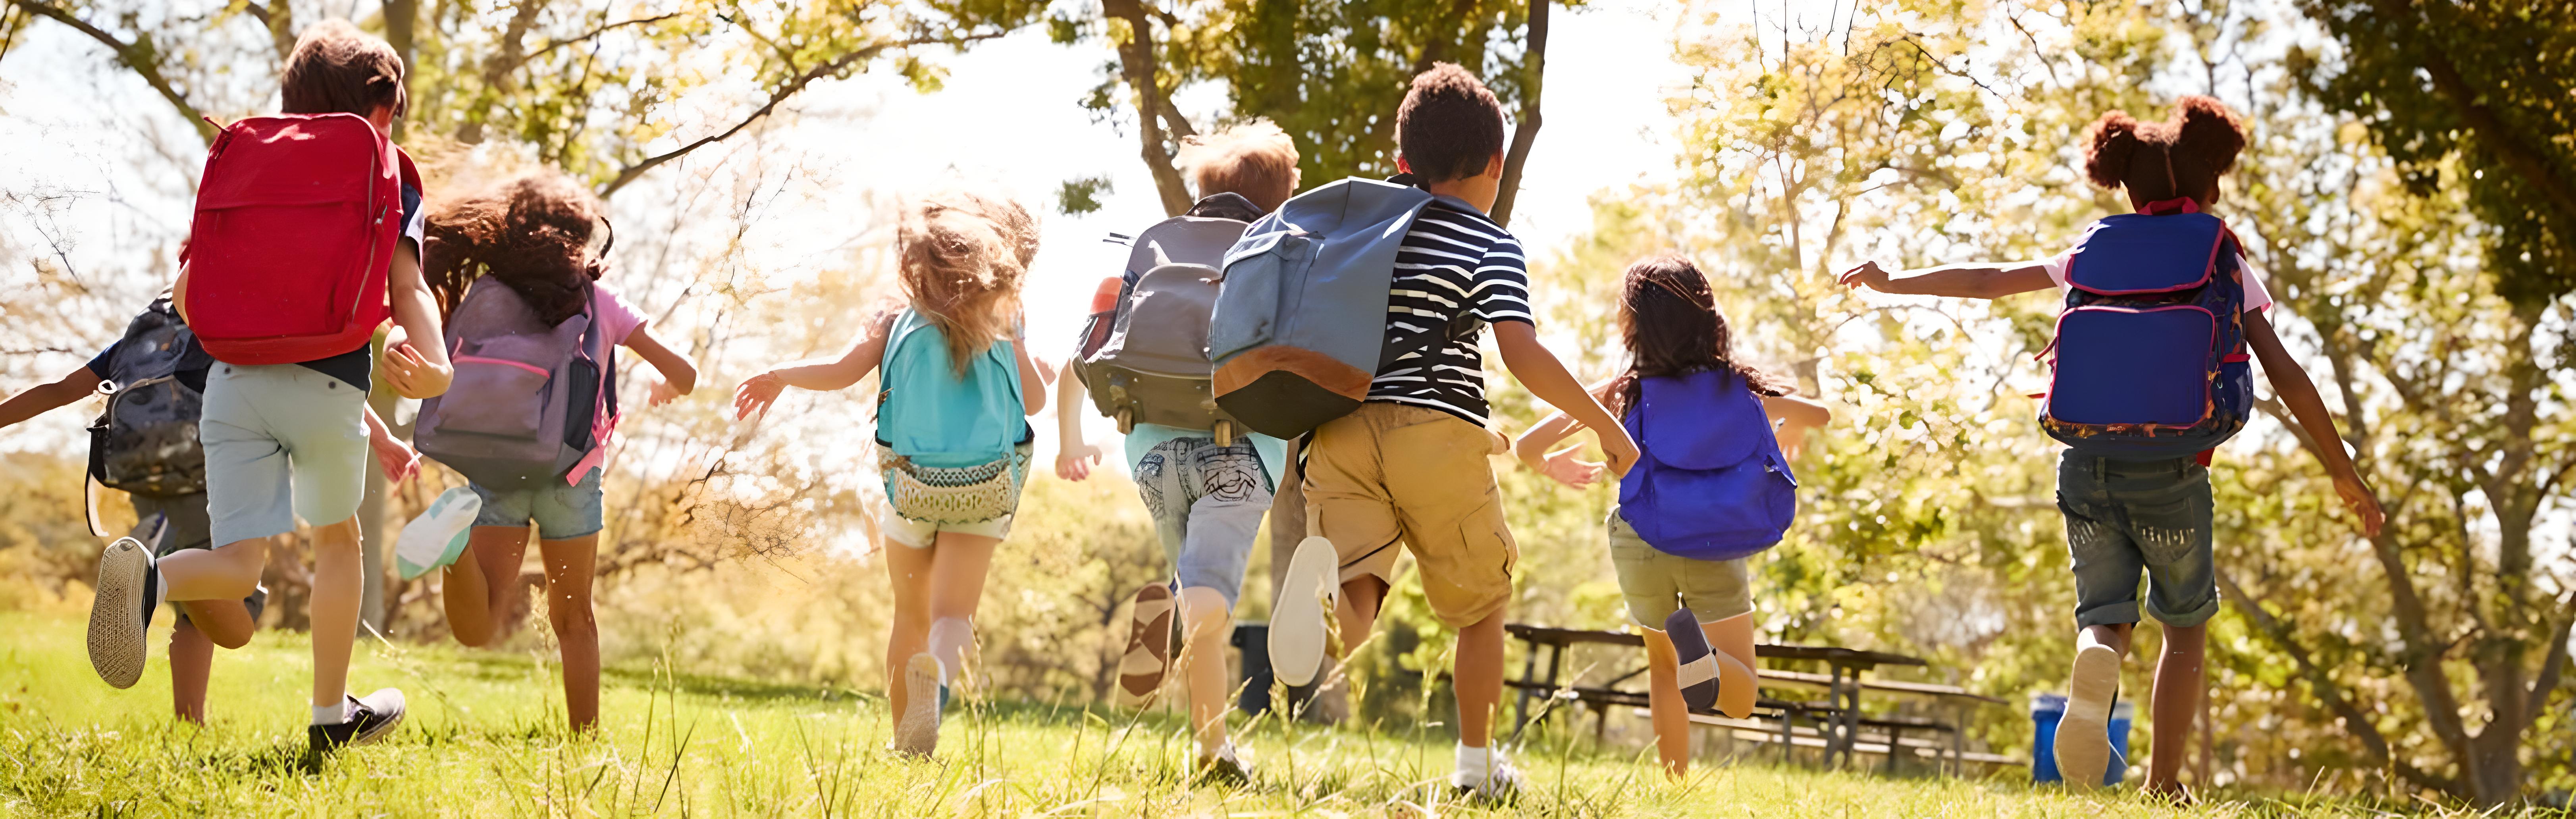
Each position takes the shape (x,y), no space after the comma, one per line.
(1838,719)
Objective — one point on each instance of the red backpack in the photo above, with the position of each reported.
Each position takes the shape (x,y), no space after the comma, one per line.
(297,220)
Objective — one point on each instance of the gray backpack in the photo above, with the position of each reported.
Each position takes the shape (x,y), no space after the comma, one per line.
(1300,322)
(1151,364)
(521,407)
(146,440)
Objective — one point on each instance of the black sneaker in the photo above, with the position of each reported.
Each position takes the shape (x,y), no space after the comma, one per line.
(369,720)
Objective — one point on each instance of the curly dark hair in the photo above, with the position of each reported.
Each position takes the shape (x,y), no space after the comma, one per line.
(532,233)
(1449,125)
(2191,149)
(1669,322)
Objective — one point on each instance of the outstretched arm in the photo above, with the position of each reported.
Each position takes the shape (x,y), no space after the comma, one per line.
(679,376)
(1795,416)
(44,398)
(2291,382)
(820,374)
(1074,457)
(1545,377)
(1033,380)
(1975,281)
(1561,465)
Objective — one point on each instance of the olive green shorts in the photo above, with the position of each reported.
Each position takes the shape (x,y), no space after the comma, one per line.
(1658,584)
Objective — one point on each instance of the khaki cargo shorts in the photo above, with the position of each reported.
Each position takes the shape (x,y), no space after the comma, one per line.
(1395,472)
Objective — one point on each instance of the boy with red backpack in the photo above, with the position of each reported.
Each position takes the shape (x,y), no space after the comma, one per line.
(2149,375)
(306,239)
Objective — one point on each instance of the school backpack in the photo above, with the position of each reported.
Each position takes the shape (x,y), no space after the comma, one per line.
(145,442)
(1151,364)
(1709,483)
(949,444)
(296,223)
(523,405)
(2149,362)
(1299,328)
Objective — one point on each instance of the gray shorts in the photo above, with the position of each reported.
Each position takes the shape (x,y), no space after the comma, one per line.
(282,441)
(1207,502)
(1657,584)
(562,511)
(2126,518)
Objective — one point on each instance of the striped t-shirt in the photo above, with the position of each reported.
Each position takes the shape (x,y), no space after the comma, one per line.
(1453,262)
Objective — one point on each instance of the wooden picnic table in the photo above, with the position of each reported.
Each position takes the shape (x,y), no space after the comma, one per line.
(1840,718)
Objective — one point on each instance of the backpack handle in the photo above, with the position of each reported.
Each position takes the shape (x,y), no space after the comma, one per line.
(2162,207)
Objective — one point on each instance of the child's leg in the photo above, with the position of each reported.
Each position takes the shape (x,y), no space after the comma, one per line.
(569,565)
(2179,686)
(958,565)
(230,572)
(225,623)
(1737,683)
(1479,679)
(908,575)
(337,574)
(1664,706)
(1208,620)
(1356,613)
(476,587)
(192,658)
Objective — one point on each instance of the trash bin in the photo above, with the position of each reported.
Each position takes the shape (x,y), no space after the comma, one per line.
(2045,712)
(1254,640)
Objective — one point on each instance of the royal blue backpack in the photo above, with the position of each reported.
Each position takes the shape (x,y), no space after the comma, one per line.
(2149,361)
(1710,483)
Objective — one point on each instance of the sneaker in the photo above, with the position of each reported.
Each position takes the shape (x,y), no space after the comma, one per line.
(1225,767)
(121,611)
(369,720)
(1698,665)
(1149,646)
(257,602)
(1500,783)
(1298,619)
(2084,736)
(916,730)
(438,536)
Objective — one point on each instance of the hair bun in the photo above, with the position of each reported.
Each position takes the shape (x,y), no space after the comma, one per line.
(2113,139)
(2208,132)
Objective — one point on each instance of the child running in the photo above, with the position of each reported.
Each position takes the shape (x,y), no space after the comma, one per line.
(534,235)
(1681,350)
(284,422)
(2128,515)
(1411,464)
(1207,500)
(952,437)
(168,522)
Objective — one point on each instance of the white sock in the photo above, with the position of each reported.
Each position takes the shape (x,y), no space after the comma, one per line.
(949,637)
(1475,763)
(332,714)
(160,590)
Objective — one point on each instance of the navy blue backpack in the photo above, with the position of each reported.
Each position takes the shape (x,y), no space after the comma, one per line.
(1709,483)
(2150,359)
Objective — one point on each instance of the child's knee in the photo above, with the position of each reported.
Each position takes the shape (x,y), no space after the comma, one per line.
(1205,612)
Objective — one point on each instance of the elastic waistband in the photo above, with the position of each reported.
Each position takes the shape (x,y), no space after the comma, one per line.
(2102,466)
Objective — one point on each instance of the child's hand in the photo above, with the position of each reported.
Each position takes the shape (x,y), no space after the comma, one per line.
(398,459)
(756,394)
(1617,451)
(1865,274)
(661,393)
(1075,462)
(1566,469)
(2363,503)
(413,375)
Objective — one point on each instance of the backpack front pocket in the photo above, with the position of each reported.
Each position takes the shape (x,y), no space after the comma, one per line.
(2130,366)
(494,396)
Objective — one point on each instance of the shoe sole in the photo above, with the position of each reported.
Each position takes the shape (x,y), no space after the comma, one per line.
(1696,664)
(439,535)
(2083,736)
(1297,623)
(917,733)
(116,643)
(1142,668)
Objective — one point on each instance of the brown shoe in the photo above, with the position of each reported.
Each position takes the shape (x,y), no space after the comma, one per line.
(1149,646)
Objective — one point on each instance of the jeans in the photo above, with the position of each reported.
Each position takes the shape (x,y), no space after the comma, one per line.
(2124,518)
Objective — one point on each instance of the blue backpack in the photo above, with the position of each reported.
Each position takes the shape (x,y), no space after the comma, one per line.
(2149,361)
(928,413)
(1710,483)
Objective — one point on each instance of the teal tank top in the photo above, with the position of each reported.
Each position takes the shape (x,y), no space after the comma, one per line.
(927,412)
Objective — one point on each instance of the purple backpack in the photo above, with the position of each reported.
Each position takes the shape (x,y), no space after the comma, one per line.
(2149,361)
(1710,483)
(522,407)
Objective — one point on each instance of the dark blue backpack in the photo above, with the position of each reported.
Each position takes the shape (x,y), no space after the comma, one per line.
(1710,483)
(2149,361)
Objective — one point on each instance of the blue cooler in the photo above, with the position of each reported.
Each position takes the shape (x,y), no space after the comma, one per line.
(2046,710)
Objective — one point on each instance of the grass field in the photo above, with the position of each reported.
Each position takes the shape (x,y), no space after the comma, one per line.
(485,739)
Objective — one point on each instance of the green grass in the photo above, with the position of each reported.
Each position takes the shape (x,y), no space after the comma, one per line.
(484,739)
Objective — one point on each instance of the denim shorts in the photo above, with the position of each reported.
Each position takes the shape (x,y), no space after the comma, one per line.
(1207,502)
(561,511)
(2126,518)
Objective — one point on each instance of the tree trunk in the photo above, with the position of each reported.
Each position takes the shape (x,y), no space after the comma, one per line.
(1534,71)
(1136,66)
(400,17)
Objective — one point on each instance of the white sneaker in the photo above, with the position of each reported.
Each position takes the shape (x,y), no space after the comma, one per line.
(916,730)
(2084,734)
(1298,618)
(438,536)
(1498,783)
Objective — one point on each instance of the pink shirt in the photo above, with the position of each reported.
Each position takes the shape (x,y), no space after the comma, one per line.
(616,321)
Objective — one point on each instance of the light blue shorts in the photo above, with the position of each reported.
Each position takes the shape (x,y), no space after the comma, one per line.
(282,441)
(1207,502)
(561,511)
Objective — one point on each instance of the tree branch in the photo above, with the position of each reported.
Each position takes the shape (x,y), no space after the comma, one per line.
(139,57)
(280,24)
(2468,103)
(2355,721)
(1136,66)
(593,33)
(1525,133)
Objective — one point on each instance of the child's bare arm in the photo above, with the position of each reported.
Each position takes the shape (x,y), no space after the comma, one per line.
(1975,281)
(398,459)
(1795,416)
(2291,381)
(1033,380)
(1074,457)
(679,376)
(44,398)
(415,356)
(756,393)
(1544,376)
